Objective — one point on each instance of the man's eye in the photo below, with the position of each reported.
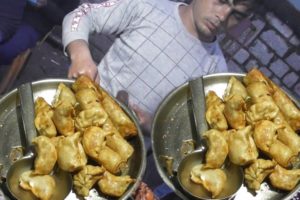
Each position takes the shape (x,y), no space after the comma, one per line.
(239,16)
(223,1)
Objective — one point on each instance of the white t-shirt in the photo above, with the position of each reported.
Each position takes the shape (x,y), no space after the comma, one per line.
(153,52)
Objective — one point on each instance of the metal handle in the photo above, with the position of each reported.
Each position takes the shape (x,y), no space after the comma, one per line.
(198,103)
(27,113)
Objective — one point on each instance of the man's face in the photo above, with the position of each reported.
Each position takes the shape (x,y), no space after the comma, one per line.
(213,16)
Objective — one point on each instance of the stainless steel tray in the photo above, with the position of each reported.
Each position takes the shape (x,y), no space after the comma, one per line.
(11,143)
(172,131)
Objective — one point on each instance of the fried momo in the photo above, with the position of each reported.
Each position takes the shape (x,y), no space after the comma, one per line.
(284,179)
(43,118)
(213,180)
(71,155)
(257,172)
(46,155)
(217,149)
(42,186)
(85,179)
(120,145)
(214,112)
(114,185)
(242,148)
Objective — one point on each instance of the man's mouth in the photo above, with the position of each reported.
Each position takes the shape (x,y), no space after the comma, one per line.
(211,26)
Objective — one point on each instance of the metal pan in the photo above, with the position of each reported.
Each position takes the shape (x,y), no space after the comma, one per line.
(11,143)
(172,137)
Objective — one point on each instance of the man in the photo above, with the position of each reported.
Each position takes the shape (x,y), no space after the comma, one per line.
(160,45)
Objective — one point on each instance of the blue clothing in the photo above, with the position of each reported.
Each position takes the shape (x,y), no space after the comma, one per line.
(11,13)
(25,37)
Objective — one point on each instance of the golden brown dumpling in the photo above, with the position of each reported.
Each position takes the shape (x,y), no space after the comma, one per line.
(284,179)
(71,155)
(214,112)
(213,180)
(120,145)
(86,178)
(257,172)
(235,87)
(288,108)
(217,149)
(259,91)
(262,110)
(264,134)
(93,141)
(114,185)
(64,93)
(87,98)
(242,149)
(46,155)
(94,116)
(234,111)
(43,118)
(42,186)
(63,118)
(84,82)
(122,122)
(286,134)
(111,160)
(281,153)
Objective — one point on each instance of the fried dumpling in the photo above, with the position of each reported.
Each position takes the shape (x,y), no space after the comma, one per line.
(42,186)
(281,153)
(235,87)
(71,155)
(264,134)
(110,160)
(217,149)
(234,111)
(84,82)
(288,108)
(46,155)
(85,179)
(64,93)
(257,172)
(120,145)
(262,110)
(259,92)
(213,180)
(114,185)
(43,118)
(63,118)
(94,116)
(242,148)
(214,112)
(284,179)
(93,141)
(286,134)
(122,122)
(87,98)
(255,76)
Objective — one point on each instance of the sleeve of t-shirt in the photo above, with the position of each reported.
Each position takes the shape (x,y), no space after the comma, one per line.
(111,17)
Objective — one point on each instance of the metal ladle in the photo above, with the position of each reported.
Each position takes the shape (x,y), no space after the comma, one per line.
(63,179)
(235,175)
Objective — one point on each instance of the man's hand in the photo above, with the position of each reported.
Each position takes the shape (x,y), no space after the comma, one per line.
(81,61)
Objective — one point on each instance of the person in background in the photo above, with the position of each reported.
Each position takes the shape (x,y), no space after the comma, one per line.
(24,22)
(160,45)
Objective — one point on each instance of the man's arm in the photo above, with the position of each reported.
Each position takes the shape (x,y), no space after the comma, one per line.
(110,17)
(81,60)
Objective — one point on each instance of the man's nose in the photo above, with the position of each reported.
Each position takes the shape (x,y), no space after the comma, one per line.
(224,13)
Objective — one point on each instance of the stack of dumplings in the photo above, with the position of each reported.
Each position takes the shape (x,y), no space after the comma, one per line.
(255,126)
(83,132)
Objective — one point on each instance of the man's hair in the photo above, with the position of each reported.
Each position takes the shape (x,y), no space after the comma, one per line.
(253,4)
